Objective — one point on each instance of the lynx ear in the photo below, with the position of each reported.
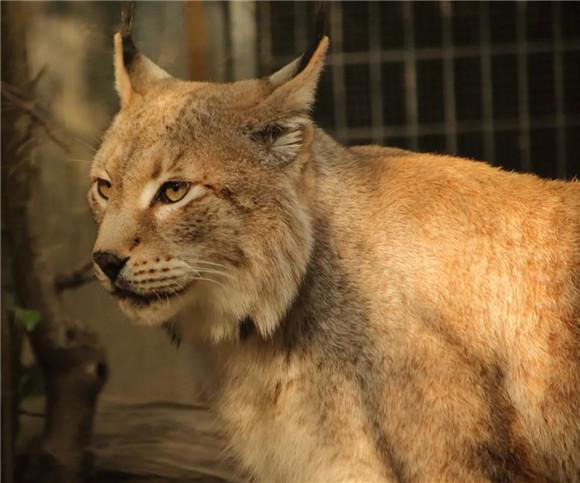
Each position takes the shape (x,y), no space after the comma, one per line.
(284,114)
(134,73)
(295,84)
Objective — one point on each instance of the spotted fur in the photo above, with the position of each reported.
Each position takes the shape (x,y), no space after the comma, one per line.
(365,314)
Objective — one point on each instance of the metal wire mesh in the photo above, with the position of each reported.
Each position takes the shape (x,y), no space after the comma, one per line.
(498,81)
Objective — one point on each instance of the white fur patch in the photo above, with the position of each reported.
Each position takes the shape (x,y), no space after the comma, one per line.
(148,193)
(287,146)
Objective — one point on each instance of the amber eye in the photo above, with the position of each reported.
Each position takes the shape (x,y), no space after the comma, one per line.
(104,188)
(173,191)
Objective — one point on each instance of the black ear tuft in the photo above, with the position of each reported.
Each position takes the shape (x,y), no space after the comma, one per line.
(306,56)
(320,26)
(127,16)
(129,51)
(129,48)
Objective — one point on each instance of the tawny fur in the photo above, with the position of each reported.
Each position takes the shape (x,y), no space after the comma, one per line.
(417,317)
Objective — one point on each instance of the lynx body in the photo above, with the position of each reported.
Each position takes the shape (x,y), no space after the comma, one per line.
(365,314)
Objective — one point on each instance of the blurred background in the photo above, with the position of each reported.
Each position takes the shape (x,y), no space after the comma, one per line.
(494,81)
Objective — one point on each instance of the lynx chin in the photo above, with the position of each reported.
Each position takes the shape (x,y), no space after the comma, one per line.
(369,314)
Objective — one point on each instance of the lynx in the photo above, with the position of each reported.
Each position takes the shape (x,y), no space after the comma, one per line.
(368,314)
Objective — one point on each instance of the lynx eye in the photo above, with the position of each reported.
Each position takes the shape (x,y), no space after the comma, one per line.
(173,191)
(104,188)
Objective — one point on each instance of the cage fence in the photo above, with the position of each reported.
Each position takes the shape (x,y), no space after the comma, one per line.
(494,81)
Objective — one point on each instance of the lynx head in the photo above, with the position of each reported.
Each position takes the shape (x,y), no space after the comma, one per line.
(201,193)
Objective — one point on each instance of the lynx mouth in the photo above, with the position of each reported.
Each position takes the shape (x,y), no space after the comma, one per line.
(147,299)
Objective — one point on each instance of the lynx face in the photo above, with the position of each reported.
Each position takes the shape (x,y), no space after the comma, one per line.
(200,192)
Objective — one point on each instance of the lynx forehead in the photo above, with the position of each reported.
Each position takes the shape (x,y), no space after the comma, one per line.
(377,315)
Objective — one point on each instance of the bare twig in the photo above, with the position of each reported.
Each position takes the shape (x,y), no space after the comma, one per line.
(13,95)
(33,414)
(75,278)
(34,81)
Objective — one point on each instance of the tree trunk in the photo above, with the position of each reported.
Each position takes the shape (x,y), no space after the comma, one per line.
(8,400)
(69,355)
(15,132)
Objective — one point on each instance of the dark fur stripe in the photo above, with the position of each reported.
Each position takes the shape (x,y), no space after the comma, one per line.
(247,328)
(129,51)
(320,20)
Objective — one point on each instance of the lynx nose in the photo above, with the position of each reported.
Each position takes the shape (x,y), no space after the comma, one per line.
(109,263)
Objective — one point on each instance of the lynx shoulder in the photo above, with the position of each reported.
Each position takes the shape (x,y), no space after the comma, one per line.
(369,314)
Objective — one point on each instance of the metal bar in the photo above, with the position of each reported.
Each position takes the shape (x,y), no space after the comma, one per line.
(486,84)
(243,32)
(195,16)
(436,53)
(464,127)
(266,39)
(522,62)
(448,78)
(217,53)
(300,35)
(375,65)
(229,64)
(559,91)
(338,83)
(409,59)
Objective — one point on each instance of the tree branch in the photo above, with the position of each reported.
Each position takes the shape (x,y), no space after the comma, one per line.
(15,96)
(75,278)
(170,441)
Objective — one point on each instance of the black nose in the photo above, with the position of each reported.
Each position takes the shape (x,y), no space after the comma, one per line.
(110,263)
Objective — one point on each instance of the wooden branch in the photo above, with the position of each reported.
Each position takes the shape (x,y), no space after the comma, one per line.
(165,440)
(75,278)
(75,369)
(13,95)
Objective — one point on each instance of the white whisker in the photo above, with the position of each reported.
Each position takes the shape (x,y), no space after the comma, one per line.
(213,272)
(180,286)
(206,262)
(210,270)
(176,286)
(80,141)
(210,280)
